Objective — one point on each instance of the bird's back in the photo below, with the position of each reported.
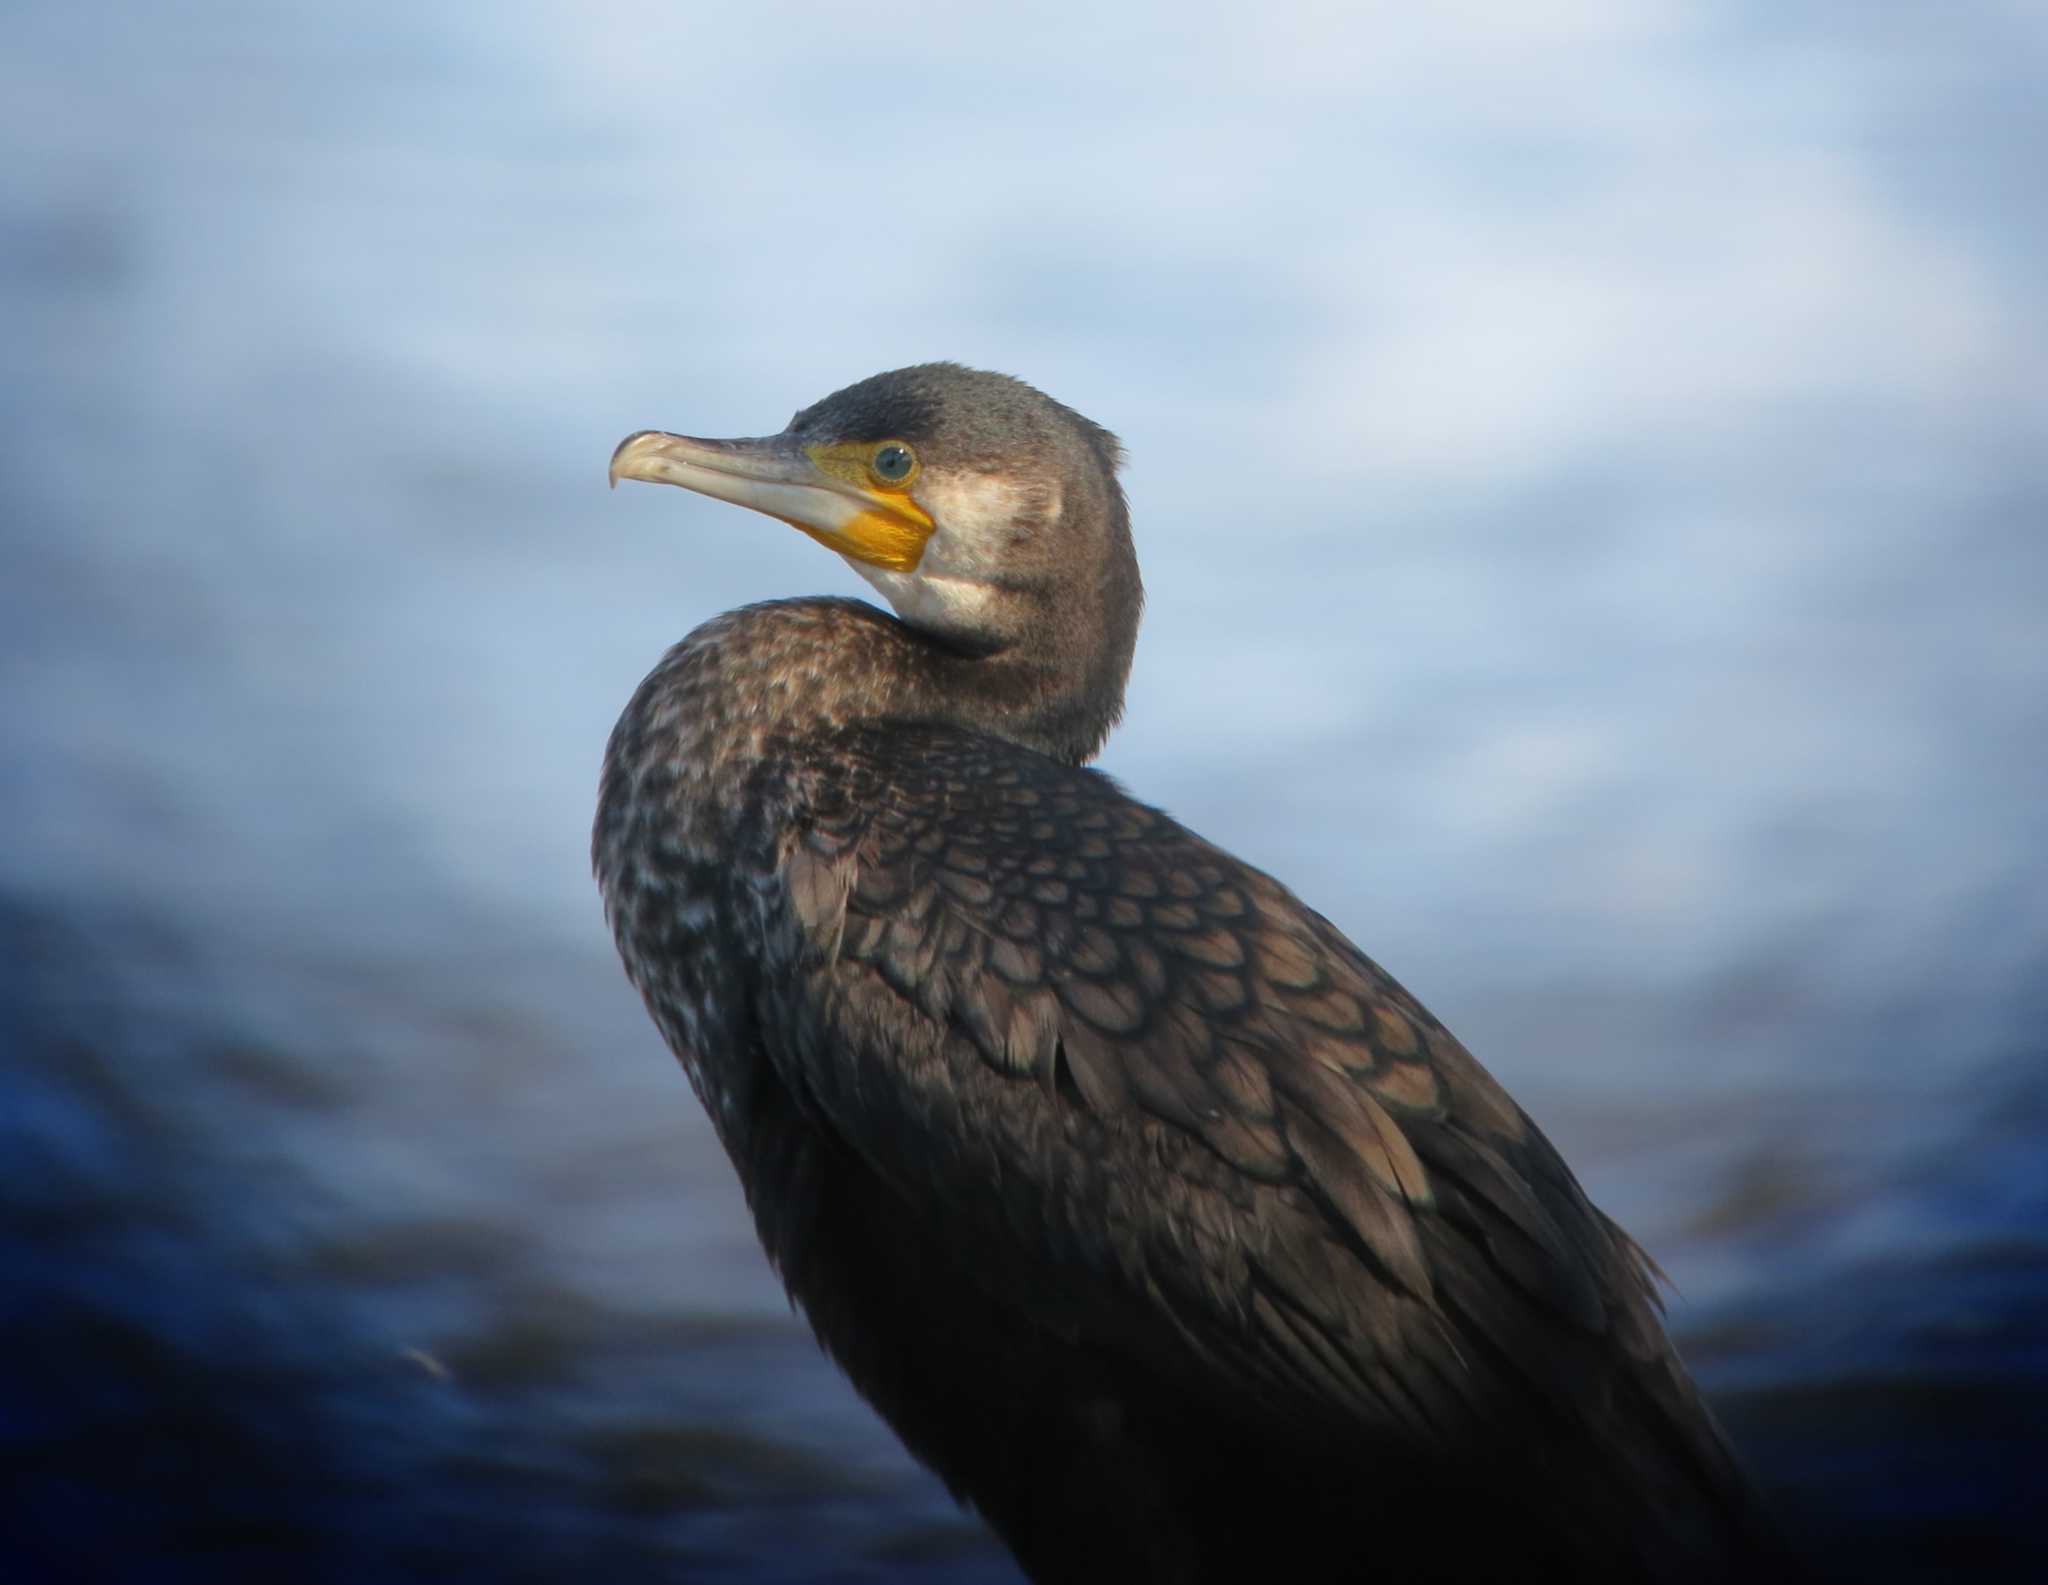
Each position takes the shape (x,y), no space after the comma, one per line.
(1155,1216)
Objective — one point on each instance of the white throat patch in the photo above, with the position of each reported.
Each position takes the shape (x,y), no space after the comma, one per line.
(952,588)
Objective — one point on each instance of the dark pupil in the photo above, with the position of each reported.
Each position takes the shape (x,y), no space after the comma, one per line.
(892,462)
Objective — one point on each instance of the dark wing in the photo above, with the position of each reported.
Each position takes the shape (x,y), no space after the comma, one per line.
(1149,1085)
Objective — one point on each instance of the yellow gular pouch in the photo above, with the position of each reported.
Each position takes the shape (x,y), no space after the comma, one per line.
(892,531)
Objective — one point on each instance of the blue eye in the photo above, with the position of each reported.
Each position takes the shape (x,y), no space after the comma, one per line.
(893,462)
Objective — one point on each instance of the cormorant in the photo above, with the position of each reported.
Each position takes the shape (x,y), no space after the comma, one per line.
(1177,1237)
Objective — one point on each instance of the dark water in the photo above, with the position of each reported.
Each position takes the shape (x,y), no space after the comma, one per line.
(1590,480)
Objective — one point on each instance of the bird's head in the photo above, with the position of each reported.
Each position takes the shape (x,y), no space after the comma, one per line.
(986,513)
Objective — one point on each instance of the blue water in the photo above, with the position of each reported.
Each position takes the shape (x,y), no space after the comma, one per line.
(1589,470)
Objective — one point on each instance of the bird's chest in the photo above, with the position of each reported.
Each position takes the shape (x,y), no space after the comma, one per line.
(683,879)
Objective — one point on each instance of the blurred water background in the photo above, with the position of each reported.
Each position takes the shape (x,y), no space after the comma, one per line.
(1588,458)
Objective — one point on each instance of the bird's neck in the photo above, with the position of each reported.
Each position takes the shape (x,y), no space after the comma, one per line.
(793,668)
(750,689)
